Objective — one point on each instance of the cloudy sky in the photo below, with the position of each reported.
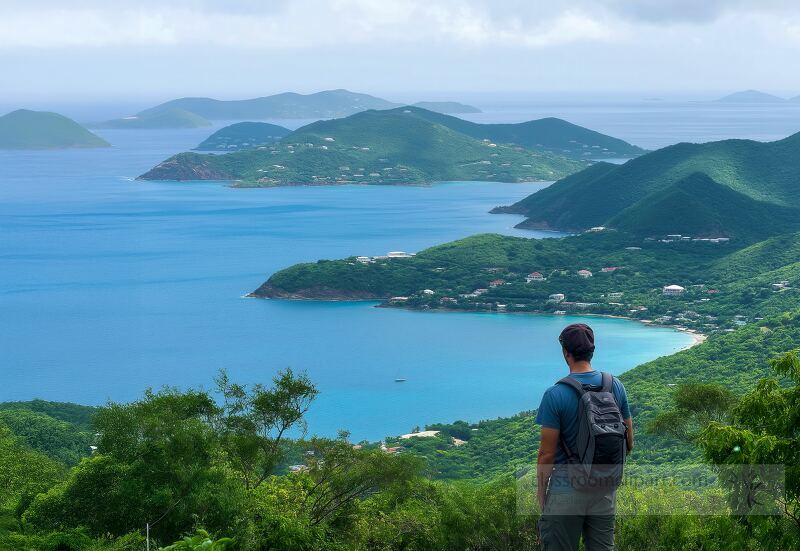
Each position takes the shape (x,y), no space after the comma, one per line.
(155,49)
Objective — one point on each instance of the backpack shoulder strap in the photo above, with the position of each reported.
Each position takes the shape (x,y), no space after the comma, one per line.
(608,381)
(574,384)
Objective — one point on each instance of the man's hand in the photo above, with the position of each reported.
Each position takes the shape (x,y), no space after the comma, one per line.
(629,436)
(544,463)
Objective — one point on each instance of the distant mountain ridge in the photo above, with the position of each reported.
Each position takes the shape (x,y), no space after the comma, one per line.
(755,96)
(740,188)
(168,118)
(398,146)
(25,129)
(549,134)
(290,105)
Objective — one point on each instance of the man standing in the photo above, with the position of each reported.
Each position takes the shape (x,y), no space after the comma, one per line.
(572,412)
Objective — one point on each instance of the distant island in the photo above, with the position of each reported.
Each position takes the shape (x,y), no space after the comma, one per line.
(399,146)
(168,118)
(243,135)
(754,96)
(407,145)
(25,129)
(328,104)
(732,188)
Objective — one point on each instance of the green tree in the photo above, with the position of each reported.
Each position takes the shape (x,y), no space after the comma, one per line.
(199,541)
(695,405)
(254,422)
(765,430)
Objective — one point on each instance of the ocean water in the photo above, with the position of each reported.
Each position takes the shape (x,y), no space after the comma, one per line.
(109,286)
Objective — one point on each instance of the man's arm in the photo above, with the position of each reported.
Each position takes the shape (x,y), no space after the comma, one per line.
(629,436)
(544,464)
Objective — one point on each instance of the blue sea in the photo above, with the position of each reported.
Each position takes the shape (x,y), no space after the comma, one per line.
(109,286)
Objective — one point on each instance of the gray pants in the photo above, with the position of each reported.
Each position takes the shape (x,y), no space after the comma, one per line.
(568,516)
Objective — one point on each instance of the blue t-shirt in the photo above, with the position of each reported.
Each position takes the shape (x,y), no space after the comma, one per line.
(559,408)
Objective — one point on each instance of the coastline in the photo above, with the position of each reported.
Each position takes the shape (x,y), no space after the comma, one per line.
(697,337)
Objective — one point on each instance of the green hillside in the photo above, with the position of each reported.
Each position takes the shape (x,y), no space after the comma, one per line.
(243,135)
(24,129)
(289,105)
(549,134)
(724,284)
(168,118)
(373,147)
(698,206)
(766,172)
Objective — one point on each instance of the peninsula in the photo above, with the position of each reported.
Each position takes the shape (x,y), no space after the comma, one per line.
(399,146)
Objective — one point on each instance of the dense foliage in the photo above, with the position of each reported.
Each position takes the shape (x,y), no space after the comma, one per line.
(758,176)
(726,285)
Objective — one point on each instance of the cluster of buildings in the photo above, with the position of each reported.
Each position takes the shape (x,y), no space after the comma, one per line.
(390,254)
(678,238)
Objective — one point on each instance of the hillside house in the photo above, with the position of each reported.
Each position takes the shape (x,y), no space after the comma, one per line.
(556,297)
(584,273)
(496,283)
(534,276)
(420,434)
(672,290)
(609,269)
(596,229)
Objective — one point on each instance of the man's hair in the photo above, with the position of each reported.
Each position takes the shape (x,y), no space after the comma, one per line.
(578,340)
(582,355)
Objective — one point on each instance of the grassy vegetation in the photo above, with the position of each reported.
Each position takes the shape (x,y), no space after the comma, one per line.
(373,147)
(24,129)
(760,177)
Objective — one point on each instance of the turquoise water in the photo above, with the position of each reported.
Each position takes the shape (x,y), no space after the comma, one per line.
(109,286)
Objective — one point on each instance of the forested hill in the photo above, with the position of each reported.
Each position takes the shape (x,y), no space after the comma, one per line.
(243,135)
(761,178)
(548,134)
(374,147)
(25,129)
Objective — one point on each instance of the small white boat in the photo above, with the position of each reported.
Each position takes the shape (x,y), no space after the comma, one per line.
(400,380)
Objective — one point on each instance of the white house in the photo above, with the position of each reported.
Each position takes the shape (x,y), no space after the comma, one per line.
(672,290)
(585,273)
(556,297)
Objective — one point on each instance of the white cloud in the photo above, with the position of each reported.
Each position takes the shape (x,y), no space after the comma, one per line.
(295,24)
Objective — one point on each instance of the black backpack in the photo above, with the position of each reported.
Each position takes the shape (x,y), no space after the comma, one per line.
(596,462)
